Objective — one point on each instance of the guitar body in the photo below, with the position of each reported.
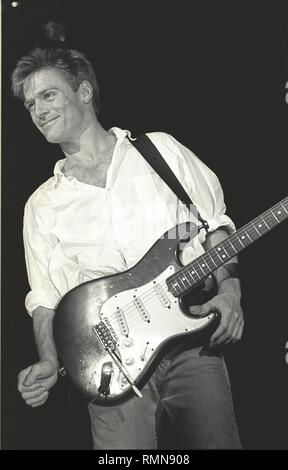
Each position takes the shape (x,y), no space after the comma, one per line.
(113,331)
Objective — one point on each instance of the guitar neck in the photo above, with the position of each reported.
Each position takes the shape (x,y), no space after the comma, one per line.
(198,270)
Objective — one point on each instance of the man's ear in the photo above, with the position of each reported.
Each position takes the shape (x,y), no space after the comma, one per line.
(86,91)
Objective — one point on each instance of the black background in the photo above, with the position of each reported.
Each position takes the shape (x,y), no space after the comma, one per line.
(213,75)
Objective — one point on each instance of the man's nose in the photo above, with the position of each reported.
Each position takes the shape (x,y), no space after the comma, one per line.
(41,110)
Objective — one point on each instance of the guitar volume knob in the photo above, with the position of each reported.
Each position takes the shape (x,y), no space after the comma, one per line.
(129,361)
(128,342)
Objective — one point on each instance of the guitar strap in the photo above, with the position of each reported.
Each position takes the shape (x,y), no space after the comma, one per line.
(152,155)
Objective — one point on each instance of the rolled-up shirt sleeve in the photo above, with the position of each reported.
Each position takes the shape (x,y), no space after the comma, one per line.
(203,187)
(37,247)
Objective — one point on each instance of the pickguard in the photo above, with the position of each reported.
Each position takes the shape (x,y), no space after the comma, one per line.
(142,319)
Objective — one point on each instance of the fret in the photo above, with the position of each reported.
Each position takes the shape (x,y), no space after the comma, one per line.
(271,221)
(190,274)
(179,282)
(230,250)
(223,256)
(195,270)
(279,214)
(214,256)
(206,264)
(246,231)
(233,247)
(265,222)
(176,285)
(183,278)
(217,250)
(208,254)
(244,238)
(236,245)
(201,267)
(220,250)
(261,229)
(284,208)
(240,241)
(275,217)
(256,229)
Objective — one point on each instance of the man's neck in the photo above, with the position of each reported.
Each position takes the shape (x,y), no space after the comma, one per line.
(91,148)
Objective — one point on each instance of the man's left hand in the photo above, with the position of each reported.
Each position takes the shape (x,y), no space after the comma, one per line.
(231,324)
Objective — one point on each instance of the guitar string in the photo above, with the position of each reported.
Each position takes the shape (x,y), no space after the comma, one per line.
(130,308)
(144,295)
(184,271)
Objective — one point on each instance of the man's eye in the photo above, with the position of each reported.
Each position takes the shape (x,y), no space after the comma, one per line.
(49,95)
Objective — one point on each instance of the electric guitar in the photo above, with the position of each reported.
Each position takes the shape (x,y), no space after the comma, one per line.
(112,332)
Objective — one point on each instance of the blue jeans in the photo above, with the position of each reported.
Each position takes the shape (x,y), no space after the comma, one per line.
(187,404)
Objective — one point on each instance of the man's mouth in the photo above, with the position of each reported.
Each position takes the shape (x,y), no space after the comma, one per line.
(49,123)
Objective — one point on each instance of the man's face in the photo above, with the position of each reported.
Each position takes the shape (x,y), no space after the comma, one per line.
(56,110)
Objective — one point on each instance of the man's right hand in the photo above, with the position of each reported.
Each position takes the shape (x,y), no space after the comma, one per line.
(35,381)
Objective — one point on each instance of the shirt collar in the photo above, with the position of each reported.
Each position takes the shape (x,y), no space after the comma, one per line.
(120,135)
(58,167)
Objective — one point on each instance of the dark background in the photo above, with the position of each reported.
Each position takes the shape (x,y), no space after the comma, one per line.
(212,74)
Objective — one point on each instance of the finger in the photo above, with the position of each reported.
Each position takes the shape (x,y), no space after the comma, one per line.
(41,398)
(39,403)
(31,377)
(23,374)
(207,308)
(30,388)
(217,333)
(229,320)
(195,309)
(34,394)
(222,334)
(239,331)
(235,335)
(222,328)
(220,340)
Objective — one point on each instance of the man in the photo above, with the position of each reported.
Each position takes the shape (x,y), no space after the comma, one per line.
(100,212)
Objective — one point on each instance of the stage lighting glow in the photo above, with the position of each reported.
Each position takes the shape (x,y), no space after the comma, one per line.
(15,4)
(54,31)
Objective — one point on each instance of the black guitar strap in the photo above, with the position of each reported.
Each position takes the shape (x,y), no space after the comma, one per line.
(152,155)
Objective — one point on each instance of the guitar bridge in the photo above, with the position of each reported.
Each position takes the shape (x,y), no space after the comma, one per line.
(106,335)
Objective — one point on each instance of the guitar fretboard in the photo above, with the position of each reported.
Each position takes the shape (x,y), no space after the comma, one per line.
(199,269)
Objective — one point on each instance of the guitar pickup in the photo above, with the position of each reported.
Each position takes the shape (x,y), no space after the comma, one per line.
(162,296)
(141,309)
(122,322)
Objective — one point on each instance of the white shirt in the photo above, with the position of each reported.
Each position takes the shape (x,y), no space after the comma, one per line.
(75,232)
